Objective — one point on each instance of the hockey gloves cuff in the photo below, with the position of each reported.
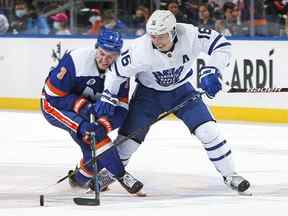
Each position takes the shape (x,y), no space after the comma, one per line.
(210,81)
(106,105)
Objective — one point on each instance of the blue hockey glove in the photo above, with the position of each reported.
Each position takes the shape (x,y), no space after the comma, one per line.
(210,81)
(106,105)
(86,128)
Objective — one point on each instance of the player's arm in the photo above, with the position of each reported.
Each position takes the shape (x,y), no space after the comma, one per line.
(110,122)
(118,73)
(216,46)
(65,107)
(121,109)
(60,83)
(219,49)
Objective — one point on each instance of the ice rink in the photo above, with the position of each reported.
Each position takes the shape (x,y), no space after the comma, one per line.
(178,177)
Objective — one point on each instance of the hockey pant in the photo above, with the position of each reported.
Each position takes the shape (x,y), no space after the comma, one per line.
(147,104)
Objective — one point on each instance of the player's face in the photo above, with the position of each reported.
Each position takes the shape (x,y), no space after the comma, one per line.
(104,58)
(162,42)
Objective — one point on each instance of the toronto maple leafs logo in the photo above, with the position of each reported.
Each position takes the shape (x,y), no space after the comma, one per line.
(168,77)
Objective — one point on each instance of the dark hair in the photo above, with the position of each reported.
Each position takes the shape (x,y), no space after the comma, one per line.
(171,2)
(228,5)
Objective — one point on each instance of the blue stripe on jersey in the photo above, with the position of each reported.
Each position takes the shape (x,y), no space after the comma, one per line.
(189,74)
(222,45)
(221,157)
(117,71)
(215,147)
(213,44)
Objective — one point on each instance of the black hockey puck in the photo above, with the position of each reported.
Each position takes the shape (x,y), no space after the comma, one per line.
(41,200)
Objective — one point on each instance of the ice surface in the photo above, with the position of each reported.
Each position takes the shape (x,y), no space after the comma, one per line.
(178,177)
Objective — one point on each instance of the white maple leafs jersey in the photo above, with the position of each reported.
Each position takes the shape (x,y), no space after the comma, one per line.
(167,71)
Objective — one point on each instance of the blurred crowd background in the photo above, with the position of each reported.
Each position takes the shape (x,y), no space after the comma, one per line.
(87,17)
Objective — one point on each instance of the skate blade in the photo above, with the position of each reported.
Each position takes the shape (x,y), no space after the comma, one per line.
(245,193)
(90,191)
(140,193)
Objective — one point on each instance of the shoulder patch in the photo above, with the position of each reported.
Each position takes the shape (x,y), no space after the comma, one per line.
(61,73)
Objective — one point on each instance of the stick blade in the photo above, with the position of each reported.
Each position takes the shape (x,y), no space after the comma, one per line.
(86,201)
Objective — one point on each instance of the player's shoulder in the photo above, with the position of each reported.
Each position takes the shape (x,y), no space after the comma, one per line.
(83,53)
(184,28)
(137,45)
(83,60)
(139,49)
(187,33)
(81,56)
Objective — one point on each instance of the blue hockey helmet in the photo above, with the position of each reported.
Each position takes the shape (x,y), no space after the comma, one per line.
(110,40)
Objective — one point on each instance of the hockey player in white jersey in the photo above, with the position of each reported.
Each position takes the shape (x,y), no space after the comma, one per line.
(161,62)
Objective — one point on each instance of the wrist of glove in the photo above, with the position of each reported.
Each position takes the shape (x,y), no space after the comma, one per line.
(210,81)
(106,105)
(107,97)
(82,107)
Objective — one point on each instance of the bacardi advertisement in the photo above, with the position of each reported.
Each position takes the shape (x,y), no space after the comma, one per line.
(25,63)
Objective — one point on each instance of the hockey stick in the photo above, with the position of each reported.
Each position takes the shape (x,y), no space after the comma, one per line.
(96,200)
(257,90)
(137,131)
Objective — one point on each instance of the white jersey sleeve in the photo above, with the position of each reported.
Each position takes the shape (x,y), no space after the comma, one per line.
(127,65)
(215,45)
(113,81)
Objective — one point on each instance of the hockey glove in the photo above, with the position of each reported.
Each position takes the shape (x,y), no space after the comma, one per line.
(84,108)
(106,105)
(210,81)
(100,128)
(86,128)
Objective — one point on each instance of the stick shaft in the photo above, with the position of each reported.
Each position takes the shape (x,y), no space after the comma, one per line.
(94,162)
(257,90)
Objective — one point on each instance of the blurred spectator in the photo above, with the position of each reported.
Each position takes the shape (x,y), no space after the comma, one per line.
(285,30)
(173,6)
(47,6)
(239,28)
(27,20)
(205,17)
(111,21)
(4,25)
(190,8)
(221,28)
(60,24)
(95,21)
(139,20)
(260,22)
(231,24)
(274,11)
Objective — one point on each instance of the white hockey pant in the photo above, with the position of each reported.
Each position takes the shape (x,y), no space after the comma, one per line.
(126,149)
(218,150)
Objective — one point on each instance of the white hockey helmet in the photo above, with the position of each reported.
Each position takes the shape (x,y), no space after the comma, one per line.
(161,22)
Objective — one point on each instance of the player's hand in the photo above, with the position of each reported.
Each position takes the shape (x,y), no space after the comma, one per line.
(86,128)
(106,105)
(210,81)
